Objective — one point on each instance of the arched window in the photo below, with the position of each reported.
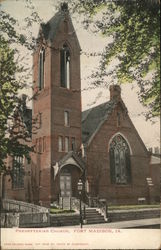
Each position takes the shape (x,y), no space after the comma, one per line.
(120,161)
(65,67)
(41,68)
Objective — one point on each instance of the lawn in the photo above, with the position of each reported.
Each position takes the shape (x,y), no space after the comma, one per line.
(128,207)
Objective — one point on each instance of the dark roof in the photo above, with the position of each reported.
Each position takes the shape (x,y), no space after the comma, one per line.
(75,156)
(94,117)
(50,28)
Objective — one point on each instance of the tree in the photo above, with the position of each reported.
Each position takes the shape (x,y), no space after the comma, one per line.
(135,30)
(14,77)
(10,102)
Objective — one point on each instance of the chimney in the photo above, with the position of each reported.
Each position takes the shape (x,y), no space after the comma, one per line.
(115,92)
(64,7)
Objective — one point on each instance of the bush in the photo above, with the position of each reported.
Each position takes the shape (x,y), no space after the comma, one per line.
(60,211)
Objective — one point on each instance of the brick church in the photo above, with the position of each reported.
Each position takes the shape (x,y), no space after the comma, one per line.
(100,145)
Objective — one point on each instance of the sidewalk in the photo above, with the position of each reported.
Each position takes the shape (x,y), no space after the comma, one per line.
(143,223)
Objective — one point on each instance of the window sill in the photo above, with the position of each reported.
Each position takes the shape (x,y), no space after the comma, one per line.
(18,188)
(122,185)
(68,89)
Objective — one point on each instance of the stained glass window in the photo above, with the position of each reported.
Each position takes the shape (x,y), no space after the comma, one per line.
(120,161)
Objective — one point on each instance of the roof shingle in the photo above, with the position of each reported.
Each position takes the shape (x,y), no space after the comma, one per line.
(92,118)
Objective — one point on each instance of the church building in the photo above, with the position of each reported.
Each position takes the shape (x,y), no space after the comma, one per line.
(100,146)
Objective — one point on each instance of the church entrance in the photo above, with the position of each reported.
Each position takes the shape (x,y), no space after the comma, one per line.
(65,184)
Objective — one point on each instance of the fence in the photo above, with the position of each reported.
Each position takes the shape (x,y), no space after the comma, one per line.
(20,206)
(21,214)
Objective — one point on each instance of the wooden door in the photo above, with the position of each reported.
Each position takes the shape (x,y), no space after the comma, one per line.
(65,185)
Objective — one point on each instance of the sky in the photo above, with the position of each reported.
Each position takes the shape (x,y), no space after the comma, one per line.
(89,42)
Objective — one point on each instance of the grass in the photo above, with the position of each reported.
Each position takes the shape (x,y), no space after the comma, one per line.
(60,211)
(128,207)
(56,210)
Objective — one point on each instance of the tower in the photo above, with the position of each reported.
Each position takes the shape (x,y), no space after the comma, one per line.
(56,166)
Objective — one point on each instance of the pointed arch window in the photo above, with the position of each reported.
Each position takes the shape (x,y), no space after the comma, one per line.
(120,161)
(41,68)
(65,67)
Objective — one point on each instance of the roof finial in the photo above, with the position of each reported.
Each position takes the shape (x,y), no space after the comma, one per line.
(64,7)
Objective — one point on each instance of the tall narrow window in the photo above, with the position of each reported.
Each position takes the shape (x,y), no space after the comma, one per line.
(60,143)
(66,144)
(73,144)
(41,68)
(65,67)
(18,172)
(66,118)
(120,161)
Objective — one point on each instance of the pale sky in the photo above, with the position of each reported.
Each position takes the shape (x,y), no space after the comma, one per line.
(149,132)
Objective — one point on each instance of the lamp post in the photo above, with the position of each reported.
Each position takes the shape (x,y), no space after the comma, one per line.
(80,187)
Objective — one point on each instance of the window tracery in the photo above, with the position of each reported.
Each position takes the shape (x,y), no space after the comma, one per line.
(120,160)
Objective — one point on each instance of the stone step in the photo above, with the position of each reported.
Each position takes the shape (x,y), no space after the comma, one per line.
(92,213)
(93,216)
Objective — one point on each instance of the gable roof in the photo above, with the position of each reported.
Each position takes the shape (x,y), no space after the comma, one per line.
(50,29)
(93,118)
(68,159)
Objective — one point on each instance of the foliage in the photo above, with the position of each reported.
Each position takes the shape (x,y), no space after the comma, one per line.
(14,137)
(60,211)
(9,103)
(134,27)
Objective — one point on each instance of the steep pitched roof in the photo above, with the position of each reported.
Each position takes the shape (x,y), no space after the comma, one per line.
(75,156)
(94,117)
(50,29)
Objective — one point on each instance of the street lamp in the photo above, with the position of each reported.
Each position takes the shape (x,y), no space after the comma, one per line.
(80,188)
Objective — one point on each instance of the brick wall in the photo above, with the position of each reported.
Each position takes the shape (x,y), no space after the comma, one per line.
(51,102)
(98,165)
